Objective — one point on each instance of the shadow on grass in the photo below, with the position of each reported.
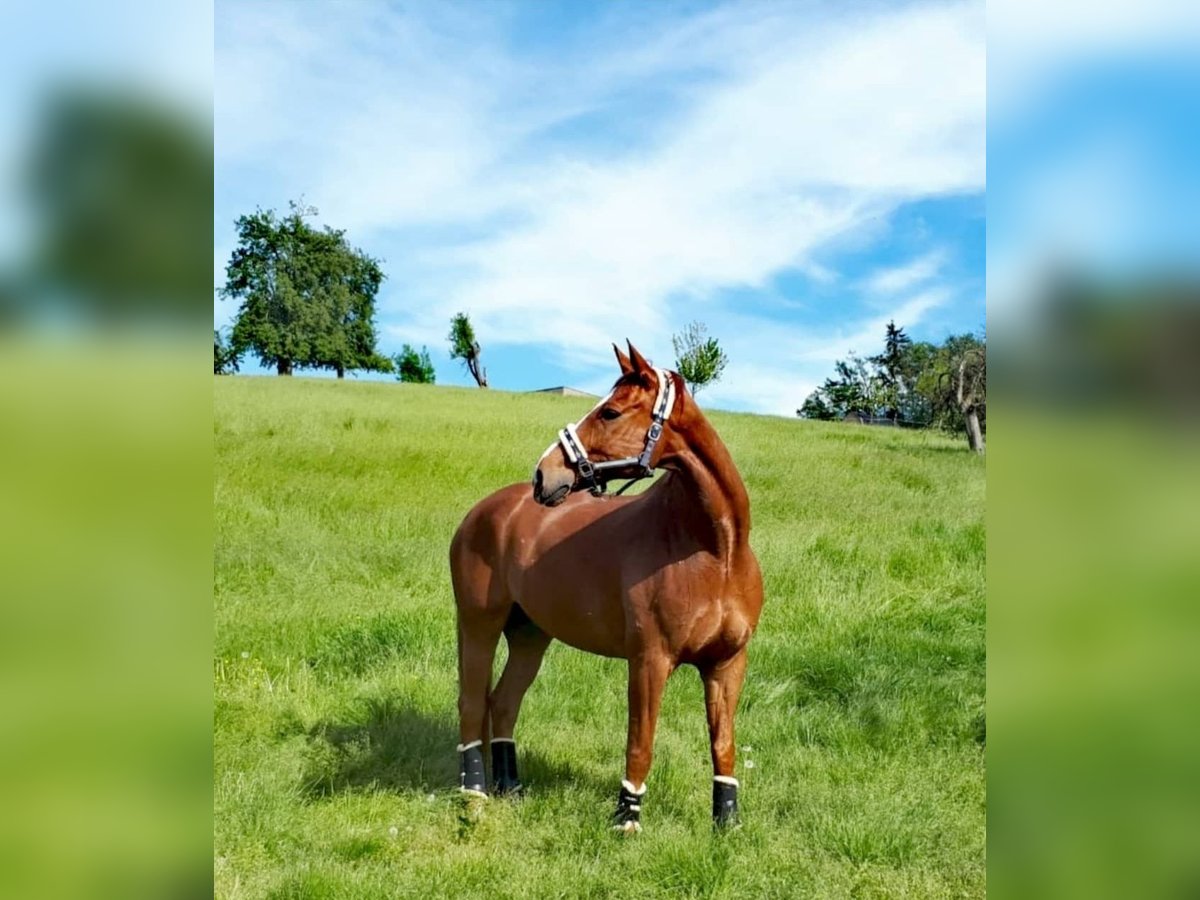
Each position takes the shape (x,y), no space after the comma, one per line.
(393,748)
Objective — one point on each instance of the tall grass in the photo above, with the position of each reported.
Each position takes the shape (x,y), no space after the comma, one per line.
(861,729)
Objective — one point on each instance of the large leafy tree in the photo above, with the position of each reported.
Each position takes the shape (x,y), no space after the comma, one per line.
(698,357)
(121,194)
(307,297)
(413,367)
(464,346)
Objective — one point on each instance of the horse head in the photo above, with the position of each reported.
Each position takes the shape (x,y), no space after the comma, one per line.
(623,436)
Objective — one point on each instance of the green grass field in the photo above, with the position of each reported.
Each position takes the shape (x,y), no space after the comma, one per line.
(861,728)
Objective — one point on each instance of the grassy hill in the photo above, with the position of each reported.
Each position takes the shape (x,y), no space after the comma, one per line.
(861,730)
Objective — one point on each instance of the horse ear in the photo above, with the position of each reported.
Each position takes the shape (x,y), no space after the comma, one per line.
(623,361)
(639,361)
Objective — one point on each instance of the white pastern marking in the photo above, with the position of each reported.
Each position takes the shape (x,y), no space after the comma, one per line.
(726,779)
(628,785)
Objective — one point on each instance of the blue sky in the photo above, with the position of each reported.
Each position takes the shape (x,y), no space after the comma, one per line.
(1093,137)
(574,174)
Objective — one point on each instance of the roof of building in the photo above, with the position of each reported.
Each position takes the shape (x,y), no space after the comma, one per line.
(564,391)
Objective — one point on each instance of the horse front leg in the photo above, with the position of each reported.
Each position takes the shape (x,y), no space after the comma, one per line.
(722,686)
(648,674)
(478,635)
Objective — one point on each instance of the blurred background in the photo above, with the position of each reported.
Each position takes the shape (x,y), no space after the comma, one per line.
(106,287)
(105,297)
(1094,475)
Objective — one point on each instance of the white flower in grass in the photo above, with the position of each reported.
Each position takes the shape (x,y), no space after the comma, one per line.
(393,832)
(747,749)
(431,797)
(245,654)
(749,764)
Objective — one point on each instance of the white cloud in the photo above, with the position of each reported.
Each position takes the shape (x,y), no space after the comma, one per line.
(1033,43)
(763,172)
(784,130)
(901,278)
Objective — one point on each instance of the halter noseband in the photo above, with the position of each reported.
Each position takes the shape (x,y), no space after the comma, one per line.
(592,474)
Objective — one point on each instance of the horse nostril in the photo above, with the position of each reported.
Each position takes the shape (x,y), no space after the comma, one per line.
(537,482)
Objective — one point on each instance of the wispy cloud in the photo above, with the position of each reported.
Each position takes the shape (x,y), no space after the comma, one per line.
(900,278)
(622,186)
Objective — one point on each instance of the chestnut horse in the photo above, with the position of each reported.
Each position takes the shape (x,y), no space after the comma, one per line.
(662,578)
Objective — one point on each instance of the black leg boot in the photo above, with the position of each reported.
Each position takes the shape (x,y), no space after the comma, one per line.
(725,808)
(471,778)
(628,817)
(504,768)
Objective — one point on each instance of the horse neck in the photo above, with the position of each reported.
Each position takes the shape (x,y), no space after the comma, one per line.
(709,481)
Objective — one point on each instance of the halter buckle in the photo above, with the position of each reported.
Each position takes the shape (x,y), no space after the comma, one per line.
(589,476)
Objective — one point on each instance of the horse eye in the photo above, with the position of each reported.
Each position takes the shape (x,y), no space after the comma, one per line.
(609,413)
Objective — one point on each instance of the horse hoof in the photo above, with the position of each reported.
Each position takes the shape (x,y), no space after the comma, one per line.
(511,792)
(624,828)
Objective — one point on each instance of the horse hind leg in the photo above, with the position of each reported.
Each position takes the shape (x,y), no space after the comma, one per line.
(722,687)
(526,647)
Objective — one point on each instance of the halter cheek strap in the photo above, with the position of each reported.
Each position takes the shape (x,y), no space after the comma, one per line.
(593,474)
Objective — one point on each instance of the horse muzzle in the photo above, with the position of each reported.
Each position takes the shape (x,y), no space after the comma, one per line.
(553,490)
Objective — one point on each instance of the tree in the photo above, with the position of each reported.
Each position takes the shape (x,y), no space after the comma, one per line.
(225,360)
(120,190)
(348,282)
(698,358)
(412,367)
(815,407)
(854,389)
(915,407)
(464,346)
(893,370)
(308,297)
(957,387)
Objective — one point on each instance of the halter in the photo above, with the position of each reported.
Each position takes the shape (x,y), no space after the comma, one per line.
(591,473)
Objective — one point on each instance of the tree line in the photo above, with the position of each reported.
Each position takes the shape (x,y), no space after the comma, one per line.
(307,301)
(916,384)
